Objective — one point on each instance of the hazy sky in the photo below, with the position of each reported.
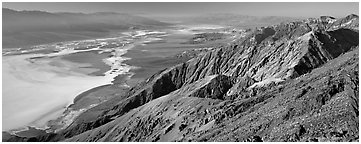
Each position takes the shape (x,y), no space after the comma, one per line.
(303,9)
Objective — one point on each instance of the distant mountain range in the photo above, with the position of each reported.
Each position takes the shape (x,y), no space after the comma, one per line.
(23,28)
(229,19)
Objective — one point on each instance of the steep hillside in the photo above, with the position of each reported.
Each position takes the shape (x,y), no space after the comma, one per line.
(295,81)
(319,106)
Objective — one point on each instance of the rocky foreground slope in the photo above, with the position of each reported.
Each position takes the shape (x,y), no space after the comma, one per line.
(294,81)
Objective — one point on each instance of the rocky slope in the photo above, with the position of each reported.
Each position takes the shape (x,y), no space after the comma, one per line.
(319,106)
(295,81)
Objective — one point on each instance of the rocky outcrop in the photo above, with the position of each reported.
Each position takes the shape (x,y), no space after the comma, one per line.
(318,106)
(348,22)
(216,88)
(324,46)
(240,86)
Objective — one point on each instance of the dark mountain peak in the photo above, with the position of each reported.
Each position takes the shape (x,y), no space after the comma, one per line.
(351,16)
(327,17)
